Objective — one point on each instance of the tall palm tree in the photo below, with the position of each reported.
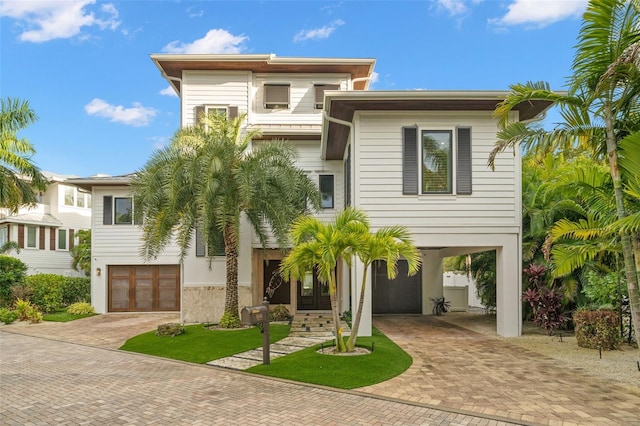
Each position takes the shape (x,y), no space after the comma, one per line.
(210,176)
(19,177)
(601,107)
(320,246)
(390,243)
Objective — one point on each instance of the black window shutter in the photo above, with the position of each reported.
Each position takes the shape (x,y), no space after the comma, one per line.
(200,248)
(410,160)
(232,112)
(463,175)
(107,209)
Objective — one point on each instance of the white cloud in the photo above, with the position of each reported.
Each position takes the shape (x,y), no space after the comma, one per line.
(168,91)
(374,77)
(454,7)
(540,13)
(215,41)
(318,33)
(136,116)
(44,20)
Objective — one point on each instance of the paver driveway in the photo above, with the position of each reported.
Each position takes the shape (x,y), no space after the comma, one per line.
(455,367)
(50,382)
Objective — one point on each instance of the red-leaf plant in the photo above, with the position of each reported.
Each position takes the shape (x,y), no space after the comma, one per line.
(545,301)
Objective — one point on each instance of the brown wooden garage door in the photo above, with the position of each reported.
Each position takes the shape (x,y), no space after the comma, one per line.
(144,288)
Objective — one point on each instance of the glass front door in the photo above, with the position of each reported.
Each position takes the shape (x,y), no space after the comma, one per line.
(313,294)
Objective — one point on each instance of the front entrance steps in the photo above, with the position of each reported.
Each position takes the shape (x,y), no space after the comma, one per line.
(315,324)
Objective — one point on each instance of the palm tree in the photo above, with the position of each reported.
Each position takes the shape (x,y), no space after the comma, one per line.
(19,177)
(390,244)
(8,246)
(206,180)
(320,246)
(601,108)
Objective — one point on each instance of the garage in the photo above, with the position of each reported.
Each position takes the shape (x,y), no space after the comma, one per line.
(144,288)
(402,295)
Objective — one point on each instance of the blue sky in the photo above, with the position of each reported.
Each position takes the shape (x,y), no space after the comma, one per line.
(103,107)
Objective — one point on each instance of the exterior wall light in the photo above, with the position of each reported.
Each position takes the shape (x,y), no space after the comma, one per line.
(98,271)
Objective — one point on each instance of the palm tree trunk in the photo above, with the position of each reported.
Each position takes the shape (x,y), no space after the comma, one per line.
(631,270)
(351,343)
(231,292)
(333,291)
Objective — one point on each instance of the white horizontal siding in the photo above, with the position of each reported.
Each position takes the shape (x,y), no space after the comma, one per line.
(378,174)
(301,97)
(213,88)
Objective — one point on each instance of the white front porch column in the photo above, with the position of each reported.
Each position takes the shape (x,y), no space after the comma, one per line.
(509,289)
(357,269)
(432,281)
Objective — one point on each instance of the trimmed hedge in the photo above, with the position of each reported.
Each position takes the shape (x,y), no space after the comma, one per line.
(597,329)
(47,290)
(76,289)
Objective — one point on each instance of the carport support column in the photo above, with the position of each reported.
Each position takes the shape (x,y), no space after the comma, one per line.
(357,270)
(432,281)
(509,289)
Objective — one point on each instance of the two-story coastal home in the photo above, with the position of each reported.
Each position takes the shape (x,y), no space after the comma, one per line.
(46,232)
(412,158)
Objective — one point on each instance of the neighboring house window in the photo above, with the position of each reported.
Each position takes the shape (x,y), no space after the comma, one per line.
(326,191)
(212,249)
(4,235)
(202,110)
(32,234)
(69,196)
(436,161)
(319,90)
(276,96)
(80,200)
(62,239)
(88,201)
(429,164)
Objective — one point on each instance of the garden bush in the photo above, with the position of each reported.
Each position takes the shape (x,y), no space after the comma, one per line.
(171,329)
(76,289)
(47,290)
(26,311)
(8,316)
(597,329)
(280,313)
(12,271)
(80,308)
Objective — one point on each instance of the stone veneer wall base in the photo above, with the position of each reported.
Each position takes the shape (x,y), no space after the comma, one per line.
(206,304)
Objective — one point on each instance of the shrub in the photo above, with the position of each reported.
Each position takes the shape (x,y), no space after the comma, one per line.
(76,289)
(34,315)
(280,313)
(440,306)
(230,321)
(22,308)
(12,271)
(546,302)
(80,308)
(7,316)
(597,329)
(604,289)
(47,290)
(171,329)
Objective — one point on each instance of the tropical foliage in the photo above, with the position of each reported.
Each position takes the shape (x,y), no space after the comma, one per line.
(81,252)
(599,112)
(19,177)
(211,178)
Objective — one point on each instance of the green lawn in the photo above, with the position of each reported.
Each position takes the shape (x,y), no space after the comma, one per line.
(199,344)
(346,372)
(63,316)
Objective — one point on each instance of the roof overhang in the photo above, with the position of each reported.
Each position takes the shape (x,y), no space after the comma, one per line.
(342,106)
(88,183)
(171,66)
(37,219)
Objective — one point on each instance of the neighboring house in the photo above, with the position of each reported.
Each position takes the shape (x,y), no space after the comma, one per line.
(47,232)
(412,158)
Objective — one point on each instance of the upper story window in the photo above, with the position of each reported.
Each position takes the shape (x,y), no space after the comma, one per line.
(73,197)
(430,164)
(319,93)
(276,96)
(325,183)
(213,248)
(118,211)
(4,235)
(206,110)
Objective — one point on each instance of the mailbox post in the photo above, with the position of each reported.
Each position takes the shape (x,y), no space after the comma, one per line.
(259,315)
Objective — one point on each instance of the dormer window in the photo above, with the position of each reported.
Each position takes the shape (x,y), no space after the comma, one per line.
(319,90)
(276,96)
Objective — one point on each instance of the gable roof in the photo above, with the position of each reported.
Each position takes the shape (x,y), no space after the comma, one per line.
(101,180)
(171,66)
(341,106)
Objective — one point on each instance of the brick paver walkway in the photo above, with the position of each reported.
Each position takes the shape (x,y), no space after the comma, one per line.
(457,368)
(49,382)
